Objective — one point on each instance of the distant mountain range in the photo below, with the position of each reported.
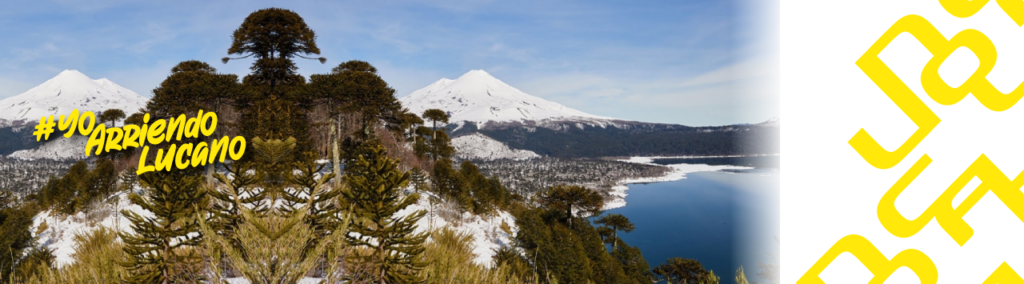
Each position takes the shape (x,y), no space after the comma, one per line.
(68,91)
(483,106)
(497,120)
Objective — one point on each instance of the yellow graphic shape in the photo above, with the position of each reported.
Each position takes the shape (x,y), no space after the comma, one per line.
(899,93)
(880,266)
(951,218)
(1004,275)
(967,8)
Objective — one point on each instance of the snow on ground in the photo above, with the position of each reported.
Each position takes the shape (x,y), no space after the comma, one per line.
(487,234)
(477,146)
(676,172)
(60,230)
(58,148)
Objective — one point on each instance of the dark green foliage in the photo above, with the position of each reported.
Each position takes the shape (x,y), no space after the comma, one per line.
(471,190)
(79,187)
(355,87)
(551,247)
(487,194)
(273,33)
(37,260)
(160,245)
(192,86)
(374,185)
(14,139)
(678,270)
(435,116)
(274,103)
(111,115)
(449,184)
(239,189)
(136,118)
(567,198)
(518,265)
(574,255)
(418,179)
(616,222)
(633,263)
(14,226)
(639,139)
(308,192)
(434,141)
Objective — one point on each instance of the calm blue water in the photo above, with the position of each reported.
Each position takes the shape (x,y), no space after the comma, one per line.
(724,220)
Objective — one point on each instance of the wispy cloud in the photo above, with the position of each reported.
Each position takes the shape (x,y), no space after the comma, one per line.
(665,61)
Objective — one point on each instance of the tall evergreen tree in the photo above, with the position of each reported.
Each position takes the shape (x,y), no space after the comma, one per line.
(617,223)
(111,115)
(192,86)
(308,192)
(567,198)
(374,184)
(158,245)
(633,263)
(14,227)
(275,103)
(238,191)
(685,270)
(355,87)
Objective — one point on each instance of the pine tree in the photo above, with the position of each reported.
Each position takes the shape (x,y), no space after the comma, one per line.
(685,270)
(633,263)
(435,115)
(14,227)
(355,87)
(239,189)
(617,223)
(308,192)
(374,184)
(275,102)
(111,115)
(192,86)
(159,244)
(567,198)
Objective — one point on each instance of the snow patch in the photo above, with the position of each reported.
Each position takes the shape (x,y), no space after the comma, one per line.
(60,230)
(487,234)
(477,146)
(479,97)
(59,149)
(68,91)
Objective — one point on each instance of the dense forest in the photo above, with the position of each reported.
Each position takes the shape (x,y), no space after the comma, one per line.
(573,140)
(16,138)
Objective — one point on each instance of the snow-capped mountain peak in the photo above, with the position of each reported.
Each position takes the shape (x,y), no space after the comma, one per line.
(68,91)
(479,97)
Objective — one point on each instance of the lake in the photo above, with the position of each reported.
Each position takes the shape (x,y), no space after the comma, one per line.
(722,219)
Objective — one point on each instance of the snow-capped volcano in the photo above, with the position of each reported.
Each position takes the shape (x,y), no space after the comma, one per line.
(68,91)
(479,97)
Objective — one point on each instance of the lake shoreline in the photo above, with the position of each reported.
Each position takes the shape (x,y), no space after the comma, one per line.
(676,172)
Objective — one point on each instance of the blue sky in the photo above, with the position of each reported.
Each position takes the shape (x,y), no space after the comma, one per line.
(692,62)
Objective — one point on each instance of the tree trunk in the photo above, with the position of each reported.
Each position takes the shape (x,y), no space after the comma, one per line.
(335,158)
(615,237)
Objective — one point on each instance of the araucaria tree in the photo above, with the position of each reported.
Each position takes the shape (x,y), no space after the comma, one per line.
(685,270)
(161,247)
(617,223)
(355,87)
(391,247)
(567,198)
(274,105)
